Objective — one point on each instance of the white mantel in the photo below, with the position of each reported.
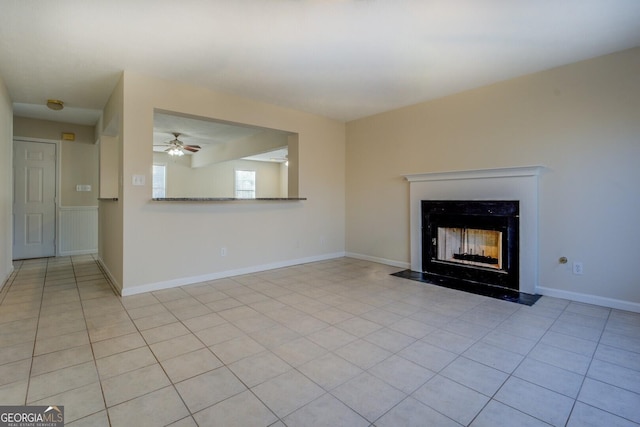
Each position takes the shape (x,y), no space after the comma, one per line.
(515,183)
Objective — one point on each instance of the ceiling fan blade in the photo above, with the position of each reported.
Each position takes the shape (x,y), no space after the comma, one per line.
(192,148)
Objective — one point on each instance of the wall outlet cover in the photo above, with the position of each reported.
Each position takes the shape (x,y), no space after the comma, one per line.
(578,268)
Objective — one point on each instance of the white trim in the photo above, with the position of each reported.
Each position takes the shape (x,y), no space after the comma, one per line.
(79,252)
(393,263)
(476,174)
(77,208)
(4,281)
(29,139)
(112,281)
(590,299)
(134,290)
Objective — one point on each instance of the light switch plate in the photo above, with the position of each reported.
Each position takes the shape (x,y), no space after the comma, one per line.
(138,180)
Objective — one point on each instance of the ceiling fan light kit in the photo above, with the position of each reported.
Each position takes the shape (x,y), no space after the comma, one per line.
(177,147)
(175,151)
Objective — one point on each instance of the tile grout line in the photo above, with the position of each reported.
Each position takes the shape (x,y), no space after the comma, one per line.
(35,338)
(95,363)
(586,373)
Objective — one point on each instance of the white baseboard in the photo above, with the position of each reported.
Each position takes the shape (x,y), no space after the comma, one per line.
(385,261)
(589,299)
(182,281)
(4,280)
(79,252)
(117,286)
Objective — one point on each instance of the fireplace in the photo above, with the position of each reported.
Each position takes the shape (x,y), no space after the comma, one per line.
(474,242)
(519,184)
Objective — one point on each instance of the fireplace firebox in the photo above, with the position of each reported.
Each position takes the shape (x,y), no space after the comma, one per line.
(475,242)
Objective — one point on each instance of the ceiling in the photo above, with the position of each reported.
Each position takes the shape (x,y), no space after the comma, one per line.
(204,132)
(343,59)
(196,131)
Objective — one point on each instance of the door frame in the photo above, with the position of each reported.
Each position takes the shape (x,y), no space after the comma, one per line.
(16,138)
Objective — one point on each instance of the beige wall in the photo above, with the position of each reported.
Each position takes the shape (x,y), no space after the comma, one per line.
(6,184)
(166,244)
(581,121)
(218,179)
(110,212)
(109,161)
(78,159)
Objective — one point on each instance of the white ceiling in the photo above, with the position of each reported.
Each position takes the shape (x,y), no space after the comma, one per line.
(201,131)
(344,59)
(197,131)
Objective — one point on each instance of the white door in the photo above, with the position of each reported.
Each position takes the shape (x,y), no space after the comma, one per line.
(34,199)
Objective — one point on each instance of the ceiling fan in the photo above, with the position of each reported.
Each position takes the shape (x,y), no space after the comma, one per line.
(177,147)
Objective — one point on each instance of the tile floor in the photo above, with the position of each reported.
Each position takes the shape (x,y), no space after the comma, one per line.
(334,343)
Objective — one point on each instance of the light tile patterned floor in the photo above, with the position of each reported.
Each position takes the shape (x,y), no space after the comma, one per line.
(333,343)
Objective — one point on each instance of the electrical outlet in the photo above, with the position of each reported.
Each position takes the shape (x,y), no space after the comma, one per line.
(578,268)
(223,251)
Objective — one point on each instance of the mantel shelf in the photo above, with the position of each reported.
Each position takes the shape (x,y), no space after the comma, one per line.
(518,171)
(227,199)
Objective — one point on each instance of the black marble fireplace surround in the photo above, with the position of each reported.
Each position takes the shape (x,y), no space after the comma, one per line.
(492,223)
(500,216)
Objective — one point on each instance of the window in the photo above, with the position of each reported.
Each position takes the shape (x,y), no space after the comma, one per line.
(245,184)
(159,181)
